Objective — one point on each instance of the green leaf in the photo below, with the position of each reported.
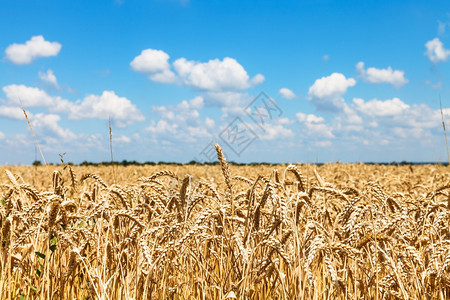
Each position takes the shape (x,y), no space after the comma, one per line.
(54,240)
(22,297)
(41,255)
(32,287)
(38,273)
(3,202)
(53,248)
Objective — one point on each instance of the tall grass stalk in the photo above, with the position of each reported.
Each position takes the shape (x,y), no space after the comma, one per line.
(111,150)
(445,132)
(32,132)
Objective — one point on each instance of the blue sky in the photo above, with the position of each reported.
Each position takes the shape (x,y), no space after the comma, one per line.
(342,80)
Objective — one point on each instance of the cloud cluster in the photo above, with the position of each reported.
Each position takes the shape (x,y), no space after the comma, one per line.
(154,63)
(374,122)
(379,108)
(214,75)
(48,125)
(436,51)
(37,46)
(107,105)
(314,125)
(374,75)
(181,122)
(22,95)
(326,93)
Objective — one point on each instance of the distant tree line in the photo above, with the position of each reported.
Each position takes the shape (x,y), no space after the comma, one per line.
(213,163)
(150,163)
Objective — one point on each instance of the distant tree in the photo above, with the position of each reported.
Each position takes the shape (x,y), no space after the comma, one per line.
(37,163)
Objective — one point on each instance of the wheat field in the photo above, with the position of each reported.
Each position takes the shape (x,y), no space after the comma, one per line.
(335,231)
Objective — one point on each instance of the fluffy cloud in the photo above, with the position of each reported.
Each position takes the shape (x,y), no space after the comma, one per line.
(287,93)
(276,129)
(379,108)
(47,125)
(181,122)
(232,104)
(49,77)
(382,122)
(314,125)
(348,120)
(436,51)
(373,75)
(12,112)
(393,115)
(154,63)
(2,135)
(104,106)
(37,46)
(215,75)
(33,97)
(326,92)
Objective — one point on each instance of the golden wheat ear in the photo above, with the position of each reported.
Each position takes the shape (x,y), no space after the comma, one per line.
(225,167)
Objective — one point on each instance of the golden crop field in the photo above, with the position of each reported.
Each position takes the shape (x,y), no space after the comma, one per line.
(335,231)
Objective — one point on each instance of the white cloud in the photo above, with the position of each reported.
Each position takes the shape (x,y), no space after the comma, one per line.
(215,75)
(287,93)
(348,120)
(314,125)
(33,97)
(49,77)
(47,125)
(181,122)
(373,75)
(388,124)
(121,139)
(154,63)
(275,131)
(2,135)
(257,79)
(436,51)
(107,105)
(227,99)
(379,108)
(393,115)
(12,112)
(28,96)
(120,109)
(210,123)
(326,92)
(37,46)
